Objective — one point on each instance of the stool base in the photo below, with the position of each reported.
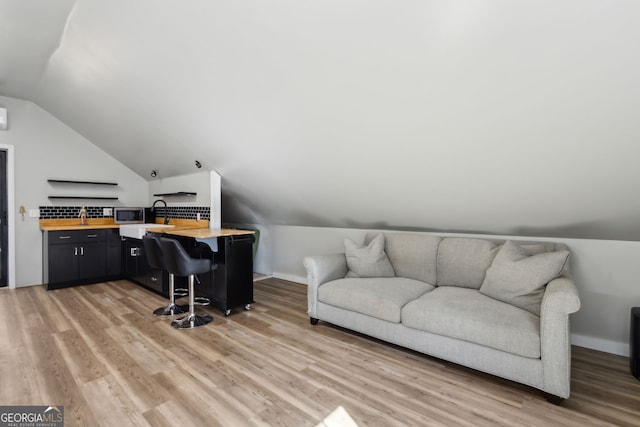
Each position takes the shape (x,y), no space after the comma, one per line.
(192,321)
(171,310)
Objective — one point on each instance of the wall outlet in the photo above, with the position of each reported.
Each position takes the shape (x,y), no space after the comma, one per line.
(34,213)
(198,216)
(107,212)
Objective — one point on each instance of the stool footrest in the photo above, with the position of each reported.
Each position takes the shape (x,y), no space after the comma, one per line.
(181,292)
(201,301)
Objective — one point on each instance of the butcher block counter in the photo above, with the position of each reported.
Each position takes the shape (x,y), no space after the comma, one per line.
(202,233)
(74,224)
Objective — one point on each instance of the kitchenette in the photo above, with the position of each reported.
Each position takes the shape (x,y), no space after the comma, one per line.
(91,244)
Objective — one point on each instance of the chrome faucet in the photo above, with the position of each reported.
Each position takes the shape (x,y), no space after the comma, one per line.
(166,211)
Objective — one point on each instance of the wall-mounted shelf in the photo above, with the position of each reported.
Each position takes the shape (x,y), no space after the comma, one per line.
(68,181)
(76,182)
(84,197)
(178,193)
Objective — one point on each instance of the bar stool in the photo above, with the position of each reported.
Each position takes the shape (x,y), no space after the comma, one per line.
(179,263)
(153,253)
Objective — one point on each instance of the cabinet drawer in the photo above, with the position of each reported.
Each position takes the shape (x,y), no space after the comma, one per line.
(66,236)
(91,235)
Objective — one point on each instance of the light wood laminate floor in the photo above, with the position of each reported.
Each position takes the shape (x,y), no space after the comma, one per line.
(98,351)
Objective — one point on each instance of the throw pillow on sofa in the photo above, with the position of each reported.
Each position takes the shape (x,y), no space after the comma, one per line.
(519,278)
(368,260)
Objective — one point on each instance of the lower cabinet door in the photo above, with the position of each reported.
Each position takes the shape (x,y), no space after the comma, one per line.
(114,257)
(92,260)
(239,273)
(63,263)
(155,280)
(129,259)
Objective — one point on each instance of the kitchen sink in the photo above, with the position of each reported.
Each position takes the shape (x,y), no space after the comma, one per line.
(137,231)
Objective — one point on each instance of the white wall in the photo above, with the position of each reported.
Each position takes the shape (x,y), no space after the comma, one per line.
(47,148)
(606,273)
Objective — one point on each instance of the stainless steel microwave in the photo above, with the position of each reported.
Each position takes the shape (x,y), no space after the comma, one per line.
(128,215)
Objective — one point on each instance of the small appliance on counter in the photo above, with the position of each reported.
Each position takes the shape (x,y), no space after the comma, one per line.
(128,215)
(133,215)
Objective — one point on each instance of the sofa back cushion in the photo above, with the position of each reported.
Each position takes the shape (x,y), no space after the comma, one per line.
(463,261)
(412,255)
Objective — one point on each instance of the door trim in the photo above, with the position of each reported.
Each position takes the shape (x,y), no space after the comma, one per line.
(11,256)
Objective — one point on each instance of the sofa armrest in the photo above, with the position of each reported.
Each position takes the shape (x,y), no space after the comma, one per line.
(561,296)
(321,269)
(559,301)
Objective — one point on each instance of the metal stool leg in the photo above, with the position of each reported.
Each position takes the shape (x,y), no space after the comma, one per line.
(172,309)
(193,320)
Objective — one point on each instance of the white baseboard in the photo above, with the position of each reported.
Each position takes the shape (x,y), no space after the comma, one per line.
(290,277)
(613,347)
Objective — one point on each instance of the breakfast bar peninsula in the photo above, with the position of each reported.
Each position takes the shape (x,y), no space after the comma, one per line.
(230,284)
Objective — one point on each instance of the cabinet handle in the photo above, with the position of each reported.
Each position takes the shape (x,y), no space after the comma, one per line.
(64,237)
(75,251)
(92,235)
(81,251)
(154,279)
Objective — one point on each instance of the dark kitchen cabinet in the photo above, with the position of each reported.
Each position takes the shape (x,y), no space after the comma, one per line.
(63,263)
(157,280)
(230,284)
(233,278)
(74,257)
(137,270)
(133,261)
(114,253)
(92,261)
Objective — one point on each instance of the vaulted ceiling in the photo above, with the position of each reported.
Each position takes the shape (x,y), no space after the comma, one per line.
(485,116)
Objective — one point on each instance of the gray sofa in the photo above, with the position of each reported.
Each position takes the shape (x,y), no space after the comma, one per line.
(500,307)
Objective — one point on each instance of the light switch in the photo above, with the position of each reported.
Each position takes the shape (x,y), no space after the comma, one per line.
(34,213)
(107,212)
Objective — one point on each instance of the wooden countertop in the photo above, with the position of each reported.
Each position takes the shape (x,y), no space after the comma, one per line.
(202,233)
(74,227)
(74,224)
(183,227)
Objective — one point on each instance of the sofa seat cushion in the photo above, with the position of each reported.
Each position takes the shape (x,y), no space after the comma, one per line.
(468,315)
(379,297)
